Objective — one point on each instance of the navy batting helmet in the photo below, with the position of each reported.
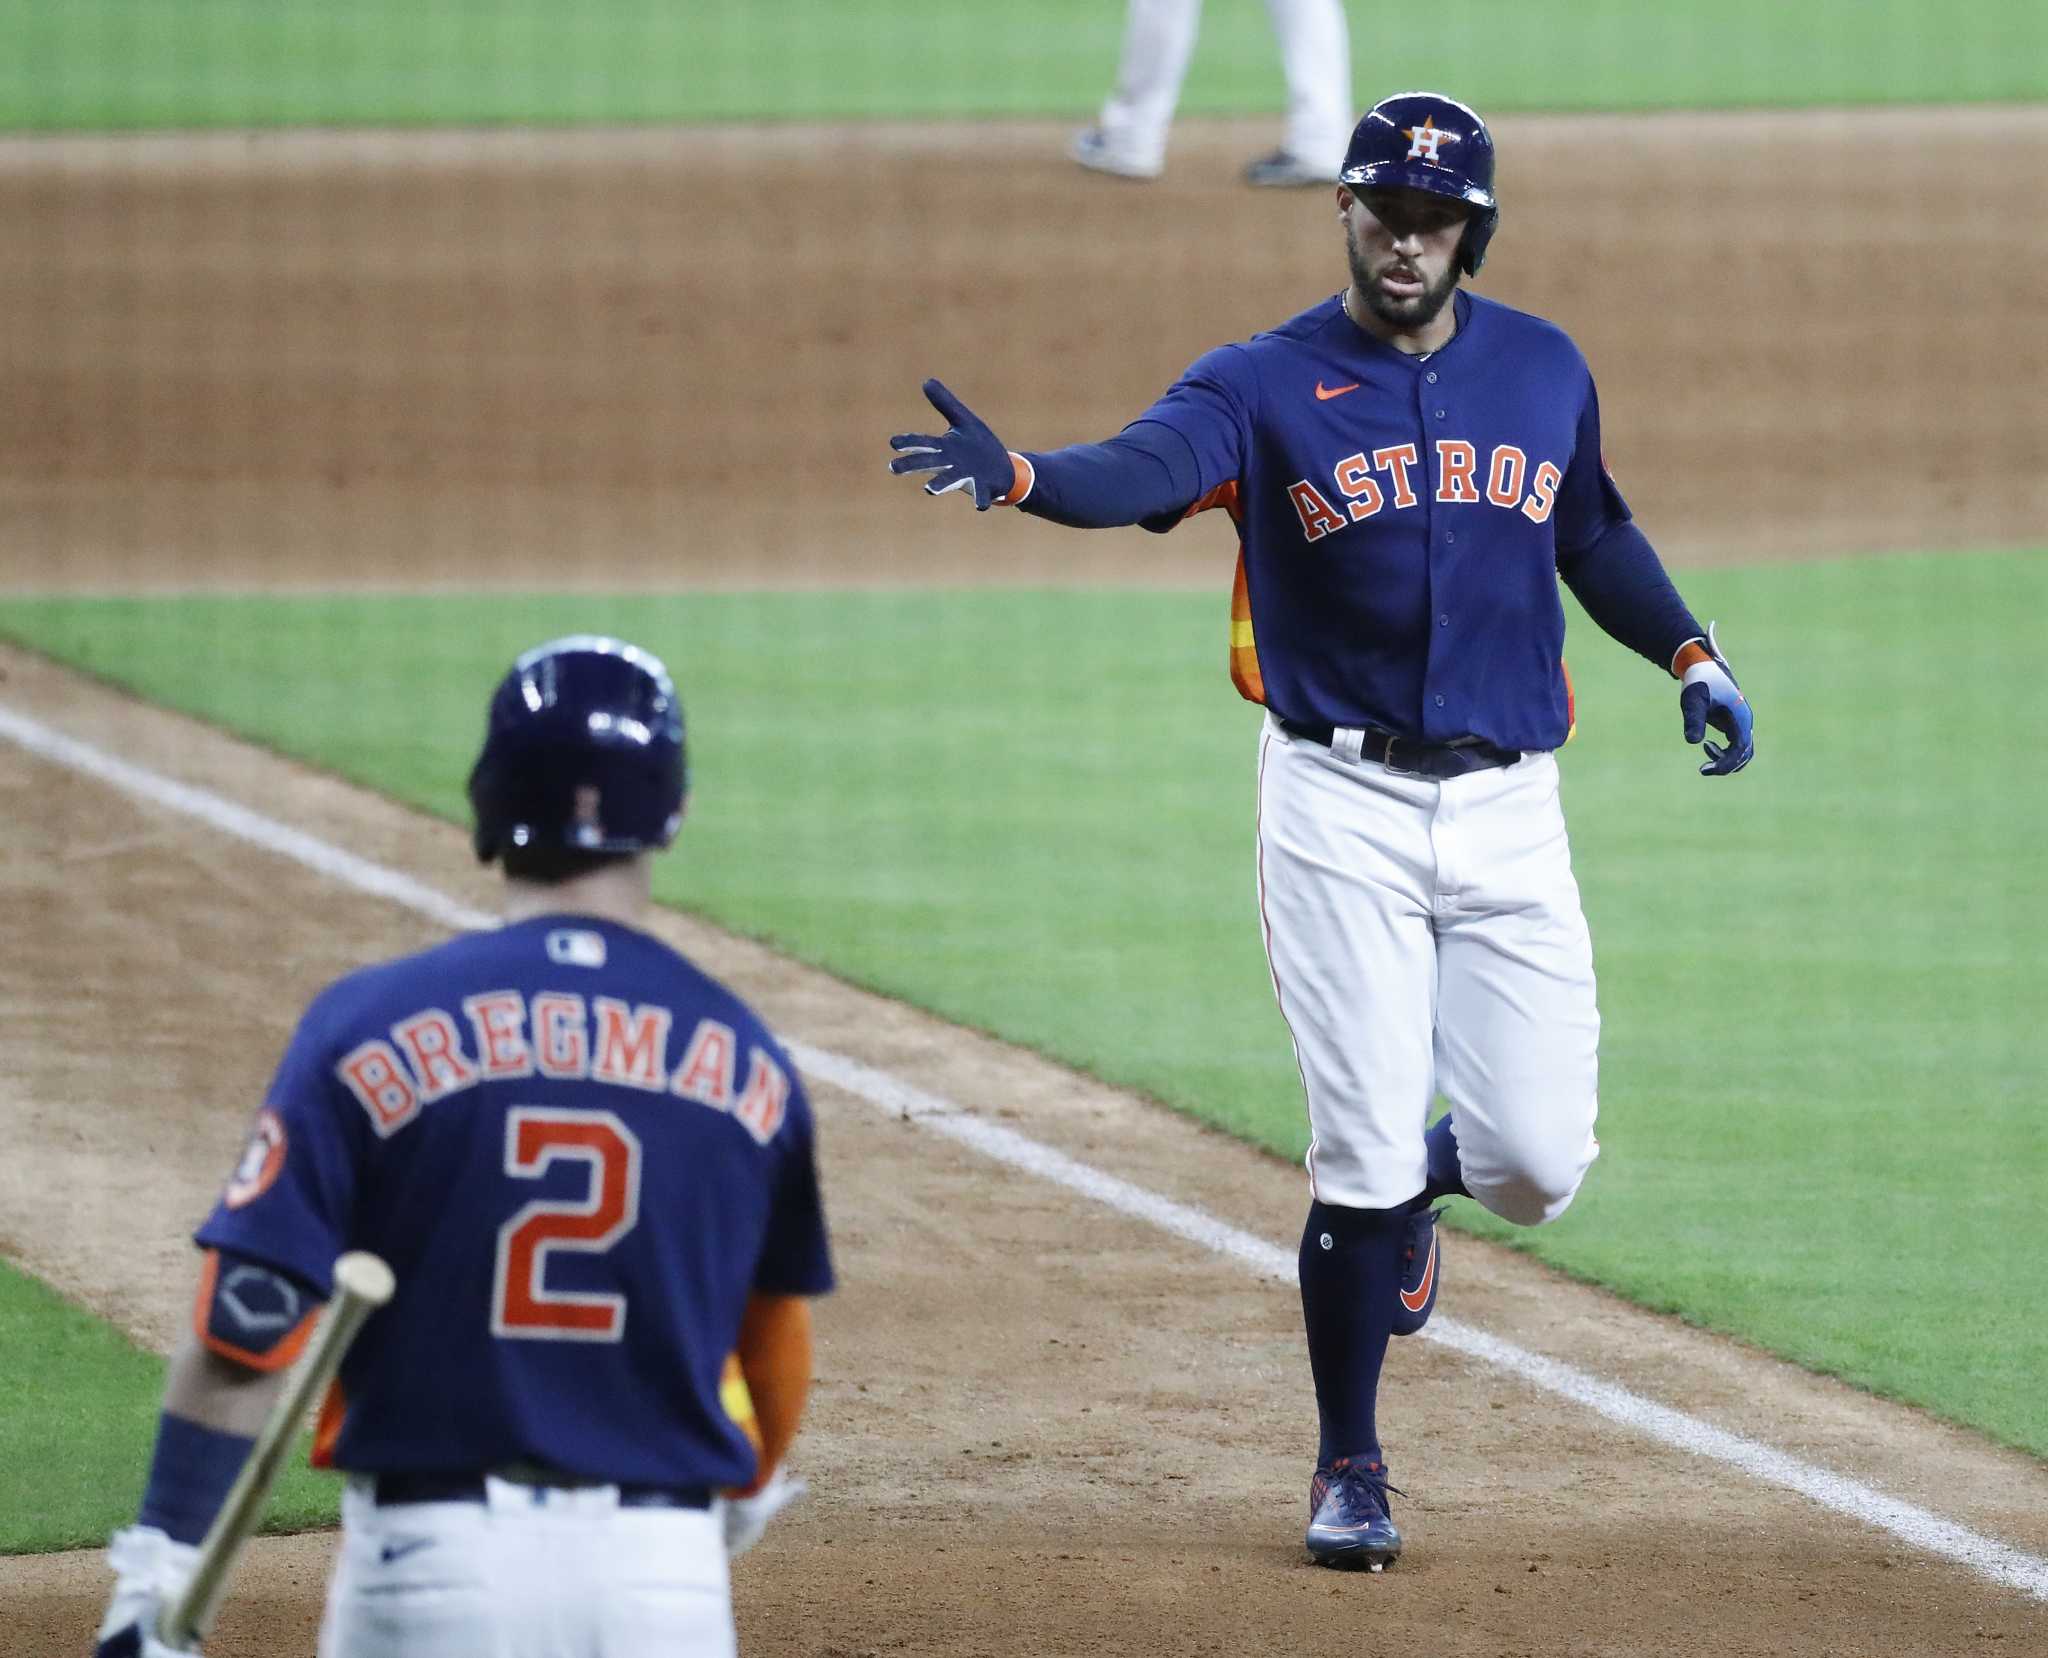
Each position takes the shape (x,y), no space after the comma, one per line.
(1426,141)
(583,750)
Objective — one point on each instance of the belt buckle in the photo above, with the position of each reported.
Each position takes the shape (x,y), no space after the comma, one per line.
(1387,759)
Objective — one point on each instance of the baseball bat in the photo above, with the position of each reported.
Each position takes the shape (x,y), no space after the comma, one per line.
(362,1284)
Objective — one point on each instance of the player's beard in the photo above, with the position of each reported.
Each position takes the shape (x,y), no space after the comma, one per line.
(1404,315)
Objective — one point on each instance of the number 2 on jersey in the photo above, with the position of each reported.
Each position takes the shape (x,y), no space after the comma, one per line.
(521,1305)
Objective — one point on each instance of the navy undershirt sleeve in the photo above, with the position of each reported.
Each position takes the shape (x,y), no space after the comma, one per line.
(1624,587)
(1147,471)
(190,1476)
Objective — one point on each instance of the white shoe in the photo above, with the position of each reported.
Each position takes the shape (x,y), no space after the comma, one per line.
(1093,151)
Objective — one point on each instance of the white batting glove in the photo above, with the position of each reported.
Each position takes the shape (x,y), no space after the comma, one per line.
(150,1571)
(747,1517)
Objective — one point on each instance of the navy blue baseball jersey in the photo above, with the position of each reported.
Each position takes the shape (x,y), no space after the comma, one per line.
(580,1155)
(1401,518)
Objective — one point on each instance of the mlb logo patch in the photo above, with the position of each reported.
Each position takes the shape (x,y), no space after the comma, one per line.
(576,948)
(262,1158)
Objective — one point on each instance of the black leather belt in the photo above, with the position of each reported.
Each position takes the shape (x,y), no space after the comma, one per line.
(1406,754)
(394,1490)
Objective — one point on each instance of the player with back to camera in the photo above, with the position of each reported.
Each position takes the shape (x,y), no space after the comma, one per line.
(591,1169)
(1410,469)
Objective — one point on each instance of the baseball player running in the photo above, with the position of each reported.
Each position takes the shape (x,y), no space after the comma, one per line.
(1410,469)
(591,1169)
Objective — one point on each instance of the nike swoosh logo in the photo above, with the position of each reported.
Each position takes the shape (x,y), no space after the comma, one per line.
(1325,393)
(398,1551)
(1420,1299)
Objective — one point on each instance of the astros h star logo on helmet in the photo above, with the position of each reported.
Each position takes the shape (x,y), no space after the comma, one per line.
(1423,140)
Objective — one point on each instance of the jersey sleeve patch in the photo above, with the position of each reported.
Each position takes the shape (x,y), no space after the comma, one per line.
(251,1313)
(262,1159)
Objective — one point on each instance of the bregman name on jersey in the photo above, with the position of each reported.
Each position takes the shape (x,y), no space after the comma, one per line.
(560,1035)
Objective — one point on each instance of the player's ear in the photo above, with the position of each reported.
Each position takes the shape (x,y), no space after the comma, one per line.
(1344,200)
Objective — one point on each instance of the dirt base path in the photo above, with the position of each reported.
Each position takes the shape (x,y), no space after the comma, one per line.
(1041,1427)
(600,358)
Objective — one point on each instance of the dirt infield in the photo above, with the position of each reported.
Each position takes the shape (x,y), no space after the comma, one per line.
(596,358)
(620,359)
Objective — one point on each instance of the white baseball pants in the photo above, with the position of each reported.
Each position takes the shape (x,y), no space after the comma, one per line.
(1159,38)
(571,1575)
(1426,937)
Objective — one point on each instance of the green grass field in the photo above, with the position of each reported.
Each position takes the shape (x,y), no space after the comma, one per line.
(1821,981)
(80,1419)
(202,63)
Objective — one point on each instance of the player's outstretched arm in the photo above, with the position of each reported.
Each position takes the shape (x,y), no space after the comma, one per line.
(1146,474)
(1709,696)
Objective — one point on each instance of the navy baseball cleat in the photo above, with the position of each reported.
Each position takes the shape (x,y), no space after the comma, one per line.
(1350,1524)
(1421,1272)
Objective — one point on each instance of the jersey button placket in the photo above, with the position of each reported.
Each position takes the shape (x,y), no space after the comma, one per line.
(1437,543)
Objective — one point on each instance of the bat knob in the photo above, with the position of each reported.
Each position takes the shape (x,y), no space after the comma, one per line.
(365,1276)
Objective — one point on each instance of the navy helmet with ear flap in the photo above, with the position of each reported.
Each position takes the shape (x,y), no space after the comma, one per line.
(583,750)
(1425,141)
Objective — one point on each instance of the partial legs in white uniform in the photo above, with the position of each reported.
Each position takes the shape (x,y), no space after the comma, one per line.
(1424,937)
(1159,38)
(571,1575)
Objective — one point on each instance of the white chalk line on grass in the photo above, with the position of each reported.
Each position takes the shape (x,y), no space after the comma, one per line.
(1917,1527)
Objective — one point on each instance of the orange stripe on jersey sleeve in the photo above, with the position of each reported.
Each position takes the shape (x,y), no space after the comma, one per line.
(277,1358)
(1571,701)
(1244,649)
(333,1412)
(1224,495)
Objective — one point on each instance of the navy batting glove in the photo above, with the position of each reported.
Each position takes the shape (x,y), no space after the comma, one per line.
(1710,697)
(969,456)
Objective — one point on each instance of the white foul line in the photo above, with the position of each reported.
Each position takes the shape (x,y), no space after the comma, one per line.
(1918,1527)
